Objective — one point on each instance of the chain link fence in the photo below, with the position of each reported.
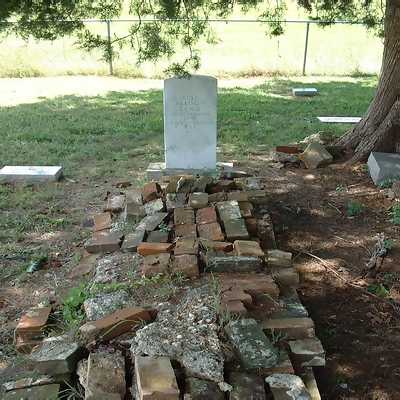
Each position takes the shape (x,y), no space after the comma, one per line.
(242,49)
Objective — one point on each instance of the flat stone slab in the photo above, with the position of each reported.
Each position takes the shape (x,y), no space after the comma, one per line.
(308,352)
(287,387)
(46,392)
(253,348)
(304,92)
(30,174)
(383,166)
(340,120)
(246,386)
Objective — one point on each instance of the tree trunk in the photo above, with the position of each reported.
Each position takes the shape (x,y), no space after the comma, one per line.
(379,130)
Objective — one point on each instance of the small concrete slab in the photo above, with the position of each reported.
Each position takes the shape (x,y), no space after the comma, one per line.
(304,92)
(383,166)
(253,348)
(307,352)
(104,303)
(200,389)
(315,155)
(30,174)
(340,120)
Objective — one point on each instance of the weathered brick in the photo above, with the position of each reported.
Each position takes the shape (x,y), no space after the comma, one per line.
(158,237)
(265,231)
(102,221)
(294,149)
(236,294)
(104,242)
(238,195)
(115,204)
(155,379)
(150,191)
(217,197)
(198,200)
(211,231)
(25,346)
(132,241)
(307,352)
(215,245)
(235,229)
(151,222)
(32,324)
(229,210)
(279,258)
(253,348)
(235,307)
(146,249)
(185,184)
(186,230)
(284,365)
(175,200)
(257,196)
(155,264)
(183,215)
(293,328)
(186,246)
(247,248)
(186,264)
(154,206)
(246,209)
(206,215)
(283,385)
(115,324)
(105,376)
(85,266)
(251,225)
(246,386)
(286,278)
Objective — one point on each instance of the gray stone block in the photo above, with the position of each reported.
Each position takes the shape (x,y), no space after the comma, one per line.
(287,387)
(383,166)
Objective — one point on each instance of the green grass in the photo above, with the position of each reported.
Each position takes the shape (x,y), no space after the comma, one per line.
(105,138)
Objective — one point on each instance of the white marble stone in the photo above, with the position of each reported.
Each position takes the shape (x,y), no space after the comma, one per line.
(29,174)
(383,166)
(340,120)
(190,122)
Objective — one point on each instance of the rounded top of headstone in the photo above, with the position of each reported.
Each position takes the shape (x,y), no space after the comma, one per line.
(191,77)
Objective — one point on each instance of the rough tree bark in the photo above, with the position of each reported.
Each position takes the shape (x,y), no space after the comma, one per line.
(379,130)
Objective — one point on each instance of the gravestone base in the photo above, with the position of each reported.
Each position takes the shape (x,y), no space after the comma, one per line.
(157,170)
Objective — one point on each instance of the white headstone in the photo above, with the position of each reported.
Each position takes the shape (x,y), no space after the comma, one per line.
(190,122)
(304,92)
(33,174)
(340,120)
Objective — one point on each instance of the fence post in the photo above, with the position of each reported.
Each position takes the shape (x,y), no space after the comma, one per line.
(110,61)
(306,49)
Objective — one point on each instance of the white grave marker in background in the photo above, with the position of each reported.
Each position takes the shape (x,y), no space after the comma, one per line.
(190,122)
(31,174)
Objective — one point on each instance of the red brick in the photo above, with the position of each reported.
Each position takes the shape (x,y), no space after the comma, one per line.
(206,215)
(155,264)
(102,221)
(247,248)
(186,246)
(186,230)
(150,191)
(288,149)
(235,307)
(115,324)
(104,242)
(211,231)
(215,245)
(237,294)
(146,248)
(31,325)
(184,215)
(186,264)
(293,328)
(26,346)
(246,209)
(251,225)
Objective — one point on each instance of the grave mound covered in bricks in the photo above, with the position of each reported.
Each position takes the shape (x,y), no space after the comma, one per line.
(230,324)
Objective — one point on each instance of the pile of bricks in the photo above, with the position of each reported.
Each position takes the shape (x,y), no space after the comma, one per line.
(195,226)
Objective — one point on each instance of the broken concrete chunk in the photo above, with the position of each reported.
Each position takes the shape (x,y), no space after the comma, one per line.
(56,357)
(46,392)
(154,206)
(155,264)
(307,352)
(104,303)
(247,248)
(287,387)
(115,204)
(198,200)
(235,229)
(175,200)
(315,155)
(155,379)
(32,324)
(200,389)
(114,325)
(132,241)
(151,222)
(252,347)
(383,166)
(114,267)
(104,242)
(246,386)
(102,221)
(279,258)
(187,265)
(105,376)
